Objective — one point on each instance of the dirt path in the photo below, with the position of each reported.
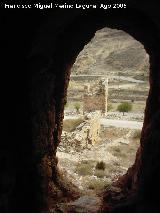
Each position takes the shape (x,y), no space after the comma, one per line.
(121,123)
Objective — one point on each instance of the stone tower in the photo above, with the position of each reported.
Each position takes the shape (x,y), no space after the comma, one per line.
(96,99)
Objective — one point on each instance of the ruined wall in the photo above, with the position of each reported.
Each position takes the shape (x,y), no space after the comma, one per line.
(94,130)
(96,97)
(85,135)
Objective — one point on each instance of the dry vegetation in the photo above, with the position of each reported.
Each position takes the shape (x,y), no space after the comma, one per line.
(70,125)
(125,152)
(98,185)
(89,173)
(137,106)
(84,168)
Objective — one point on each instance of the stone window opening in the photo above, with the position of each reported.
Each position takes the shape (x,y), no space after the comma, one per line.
(131,134)
(130,184)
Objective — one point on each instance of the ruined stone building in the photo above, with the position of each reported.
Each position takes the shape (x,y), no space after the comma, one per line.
(95,98)
(85,135)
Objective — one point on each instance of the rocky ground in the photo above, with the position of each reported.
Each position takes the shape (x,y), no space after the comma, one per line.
(117,151)
(84,204)
(94,169)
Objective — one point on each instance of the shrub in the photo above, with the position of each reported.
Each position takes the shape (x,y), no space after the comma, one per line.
(124,107)
(101,165)
(77,106)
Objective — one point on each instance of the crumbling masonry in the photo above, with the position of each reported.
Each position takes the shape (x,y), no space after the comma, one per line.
(95,98)
(85,135)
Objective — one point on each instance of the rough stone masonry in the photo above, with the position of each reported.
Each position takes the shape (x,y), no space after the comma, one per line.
(85,135)
(96,98)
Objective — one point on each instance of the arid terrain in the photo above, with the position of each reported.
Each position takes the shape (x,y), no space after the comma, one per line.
(116,150)
(114,55)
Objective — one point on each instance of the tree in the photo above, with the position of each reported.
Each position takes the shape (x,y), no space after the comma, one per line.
(77,107)
(124,107)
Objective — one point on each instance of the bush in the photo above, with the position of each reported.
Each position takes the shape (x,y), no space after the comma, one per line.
(124,107)
(101,165)
(77,106)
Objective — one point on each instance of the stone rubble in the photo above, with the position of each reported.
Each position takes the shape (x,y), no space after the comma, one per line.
(84,136)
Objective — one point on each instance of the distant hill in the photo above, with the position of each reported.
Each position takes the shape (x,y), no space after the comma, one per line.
(113,52)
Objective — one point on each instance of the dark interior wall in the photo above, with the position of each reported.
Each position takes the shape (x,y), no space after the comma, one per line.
(16,144)
(38,50)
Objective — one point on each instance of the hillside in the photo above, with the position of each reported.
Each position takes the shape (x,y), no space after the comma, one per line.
(113,52)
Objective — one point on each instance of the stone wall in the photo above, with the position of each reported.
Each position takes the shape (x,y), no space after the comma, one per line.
(94,130)
(85,135)
(96,97)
